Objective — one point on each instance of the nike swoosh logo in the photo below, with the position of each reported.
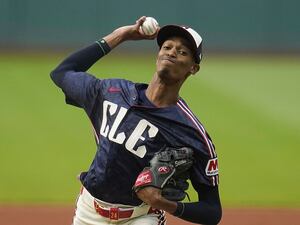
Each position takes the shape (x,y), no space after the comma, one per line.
(114,89)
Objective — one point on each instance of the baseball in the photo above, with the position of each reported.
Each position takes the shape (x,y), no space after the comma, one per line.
(149,27)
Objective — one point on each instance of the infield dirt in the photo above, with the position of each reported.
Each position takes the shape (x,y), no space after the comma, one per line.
(62,215)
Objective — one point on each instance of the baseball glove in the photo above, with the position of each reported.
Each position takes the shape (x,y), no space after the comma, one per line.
(168,171)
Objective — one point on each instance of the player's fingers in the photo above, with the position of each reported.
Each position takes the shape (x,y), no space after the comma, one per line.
(153,36)
(140,21)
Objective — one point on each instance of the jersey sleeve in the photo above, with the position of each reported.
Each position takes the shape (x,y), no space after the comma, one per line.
(205,168)
(81,89)
(205,171)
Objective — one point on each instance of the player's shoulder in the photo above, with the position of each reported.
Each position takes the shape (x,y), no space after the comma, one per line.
(117,82)
(122,86)
(117,85)
(186,112)
(192,119)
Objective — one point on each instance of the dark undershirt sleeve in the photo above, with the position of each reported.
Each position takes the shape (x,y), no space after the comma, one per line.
(79,87)
(207,210)
(80,61)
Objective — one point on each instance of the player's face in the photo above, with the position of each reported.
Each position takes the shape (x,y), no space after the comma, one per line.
(175,60)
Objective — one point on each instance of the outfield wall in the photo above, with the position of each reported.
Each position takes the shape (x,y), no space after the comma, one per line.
(225,25)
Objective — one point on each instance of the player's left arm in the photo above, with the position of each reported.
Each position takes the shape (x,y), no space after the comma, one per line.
(152,181)
(207,210)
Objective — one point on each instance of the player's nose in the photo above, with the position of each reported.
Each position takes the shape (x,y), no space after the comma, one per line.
(172,52)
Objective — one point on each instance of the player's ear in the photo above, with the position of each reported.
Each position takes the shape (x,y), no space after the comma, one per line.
(195,68)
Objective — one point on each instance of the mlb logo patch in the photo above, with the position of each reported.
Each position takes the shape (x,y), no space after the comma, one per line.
(212,167)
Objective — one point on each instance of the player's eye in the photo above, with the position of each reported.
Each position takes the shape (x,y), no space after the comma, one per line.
(166,47)
(182,52)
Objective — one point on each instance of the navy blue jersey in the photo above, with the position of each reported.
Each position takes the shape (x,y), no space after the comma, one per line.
(129,131)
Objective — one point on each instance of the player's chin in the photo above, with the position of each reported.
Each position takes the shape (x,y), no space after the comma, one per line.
(166,74)
(164,71)
(165,65)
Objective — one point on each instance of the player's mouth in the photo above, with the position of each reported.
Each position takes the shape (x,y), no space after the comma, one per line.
(165,58)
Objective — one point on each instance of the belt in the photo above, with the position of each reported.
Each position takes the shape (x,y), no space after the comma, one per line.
(116,213)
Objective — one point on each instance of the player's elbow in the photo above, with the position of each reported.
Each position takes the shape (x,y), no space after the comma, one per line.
(56,76)
(212,216)
(217,216)
(53,75)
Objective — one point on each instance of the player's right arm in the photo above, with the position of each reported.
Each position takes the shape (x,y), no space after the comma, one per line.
(126,33)
(80,87)
(83,59)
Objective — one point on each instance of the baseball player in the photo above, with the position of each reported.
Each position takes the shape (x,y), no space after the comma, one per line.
(131,123)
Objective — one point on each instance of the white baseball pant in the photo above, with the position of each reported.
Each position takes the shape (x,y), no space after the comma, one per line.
(92,211)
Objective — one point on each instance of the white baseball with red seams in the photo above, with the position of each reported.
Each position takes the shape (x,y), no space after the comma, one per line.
(150,26)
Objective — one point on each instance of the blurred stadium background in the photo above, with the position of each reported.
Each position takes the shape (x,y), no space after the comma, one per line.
(266,25)
(246,94)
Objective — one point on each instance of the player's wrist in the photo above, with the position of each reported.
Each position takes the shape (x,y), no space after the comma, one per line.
(115,38)
(104,47)
(179,210)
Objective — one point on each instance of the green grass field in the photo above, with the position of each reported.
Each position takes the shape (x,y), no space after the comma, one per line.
(249,104)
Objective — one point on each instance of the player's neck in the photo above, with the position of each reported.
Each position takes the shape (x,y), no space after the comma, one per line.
(162,94)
